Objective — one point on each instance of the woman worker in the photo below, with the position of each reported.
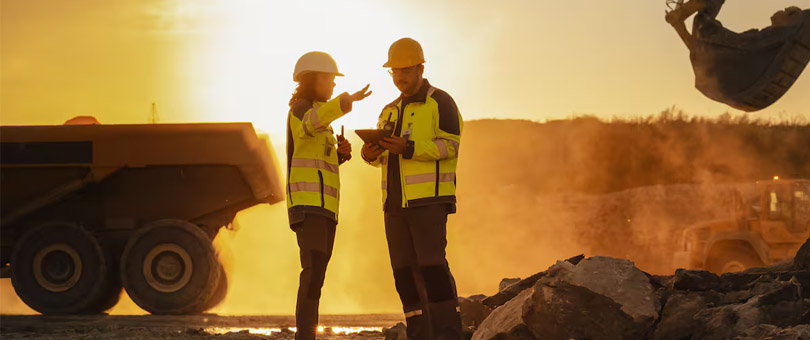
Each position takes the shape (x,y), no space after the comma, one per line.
(313,183)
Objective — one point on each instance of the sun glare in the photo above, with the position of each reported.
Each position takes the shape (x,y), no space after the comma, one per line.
(249,60)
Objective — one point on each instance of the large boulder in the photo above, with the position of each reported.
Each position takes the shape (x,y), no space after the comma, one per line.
(677,318)
(507,292)
(398,332)
(737,281)
(779,304)
(616,279)
(473,311)
(508,322)
(758,332)
(800,332)
(771,332)
(598,298)
(697,280)
(506,282)
(802,259)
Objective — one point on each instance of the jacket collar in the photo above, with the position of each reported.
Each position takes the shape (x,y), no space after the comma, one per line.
(420,96)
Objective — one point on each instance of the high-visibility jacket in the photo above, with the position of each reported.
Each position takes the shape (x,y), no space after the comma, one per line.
(313,181)
(432,125)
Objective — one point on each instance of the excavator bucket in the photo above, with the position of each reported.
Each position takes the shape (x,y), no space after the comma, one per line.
(749,70)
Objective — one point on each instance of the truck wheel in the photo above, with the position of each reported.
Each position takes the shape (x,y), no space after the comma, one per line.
(220,291)
(112,294)
(170,267)
(111,297)
(732,258)
(60,268)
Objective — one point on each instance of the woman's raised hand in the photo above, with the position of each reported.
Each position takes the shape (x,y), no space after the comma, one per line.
(362,94)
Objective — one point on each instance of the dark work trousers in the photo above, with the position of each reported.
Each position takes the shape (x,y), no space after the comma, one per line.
(316,237)
(417,238)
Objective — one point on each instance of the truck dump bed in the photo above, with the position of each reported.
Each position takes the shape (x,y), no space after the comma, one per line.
(43,164)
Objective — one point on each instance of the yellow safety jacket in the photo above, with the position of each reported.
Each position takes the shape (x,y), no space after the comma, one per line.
(313,181)
(431,123)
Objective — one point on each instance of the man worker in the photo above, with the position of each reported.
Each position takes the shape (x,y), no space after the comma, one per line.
(418,188)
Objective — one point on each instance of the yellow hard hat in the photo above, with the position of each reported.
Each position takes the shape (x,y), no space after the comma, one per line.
(404,52)
(315,62)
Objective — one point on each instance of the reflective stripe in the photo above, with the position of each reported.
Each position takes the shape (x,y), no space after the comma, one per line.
(452,142)
(306,130)
(313,187)
(305,186)
(413,313)
(420,178)
(429,178)
(384,185)
(383,160)
(331,191)
(447,177)
(442,148)
(313,163)
(313,119)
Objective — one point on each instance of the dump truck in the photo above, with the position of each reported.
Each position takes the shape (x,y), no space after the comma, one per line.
(88,209)
(771,228)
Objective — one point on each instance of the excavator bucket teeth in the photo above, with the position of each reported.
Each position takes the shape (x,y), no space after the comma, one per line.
(753,69)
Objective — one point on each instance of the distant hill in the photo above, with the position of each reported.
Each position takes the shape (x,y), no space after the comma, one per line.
(530,193)
(588,155)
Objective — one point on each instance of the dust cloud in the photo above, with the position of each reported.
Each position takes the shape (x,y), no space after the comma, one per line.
(529,194)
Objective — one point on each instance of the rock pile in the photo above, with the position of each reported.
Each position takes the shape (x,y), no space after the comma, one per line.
(608,298)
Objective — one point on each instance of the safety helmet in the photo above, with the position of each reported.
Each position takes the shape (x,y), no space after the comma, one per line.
(404,52)
(315,62)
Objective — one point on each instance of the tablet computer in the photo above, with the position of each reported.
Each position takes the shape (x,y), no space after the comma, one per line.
(372,135)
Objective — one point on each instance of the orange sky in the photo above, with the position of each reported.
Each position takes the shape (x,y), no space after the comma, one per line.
(226,60)
(231,60)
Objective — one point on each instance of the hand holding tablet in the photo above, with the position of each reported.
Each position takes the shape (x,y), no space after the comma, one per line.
(372,136)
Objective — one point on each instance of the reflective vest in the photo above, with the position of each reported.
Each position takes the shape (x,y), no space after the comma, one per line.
(313,181)
(431,123)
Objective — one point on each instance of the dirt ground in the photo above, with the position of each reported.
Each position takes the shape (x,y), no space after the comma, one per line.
(187,327)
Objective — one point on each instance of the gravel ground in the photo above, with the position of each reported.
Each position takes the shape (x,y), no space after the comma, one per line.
(187,327)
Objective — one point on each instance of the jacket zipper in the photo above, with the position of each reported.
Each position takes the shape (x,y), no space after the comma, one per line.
(320,177)
(437,178)
(401,176)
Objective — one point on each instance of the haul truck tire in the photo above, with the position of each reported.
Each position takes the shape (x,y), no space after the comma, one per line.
(111,297)
(220,291)
(60,268)
(112,294)
(732,258)
(170,267)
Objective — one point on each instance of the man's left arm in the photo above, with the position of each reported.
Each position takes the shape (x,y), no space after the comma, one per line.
(445,143)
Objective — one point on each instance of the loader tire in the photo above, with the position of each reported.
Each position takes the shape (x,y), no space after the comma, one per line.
(732,258)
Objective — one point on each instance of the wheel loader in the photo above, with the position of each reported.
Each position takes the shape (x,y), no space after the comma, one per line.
(88,209)
(775,225)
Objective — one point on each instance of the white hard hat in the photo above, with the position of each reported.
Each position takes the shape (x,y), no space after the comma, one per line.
(315,62)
